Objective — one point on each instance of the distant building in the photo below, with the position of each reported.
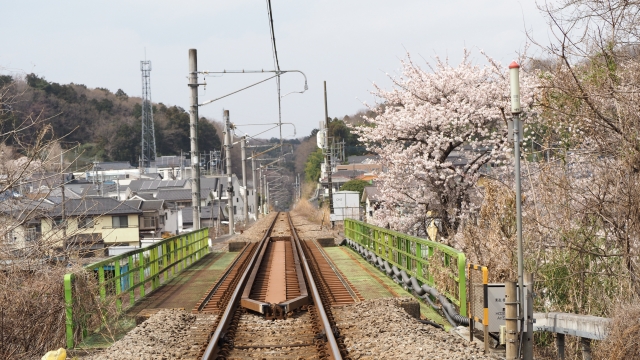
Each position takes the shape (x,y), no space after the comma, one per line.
(105,171)
(20,223)
(152,187)
(91,223)
(208,216)
(371,200)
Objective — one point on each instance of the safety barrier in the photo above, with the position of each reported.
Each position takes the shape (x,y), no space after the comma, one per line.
(138,271)
(431,263)
(478,300)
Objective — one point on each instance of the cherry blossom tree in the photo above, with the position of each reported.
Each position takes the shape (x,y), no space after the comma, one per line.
(436,131)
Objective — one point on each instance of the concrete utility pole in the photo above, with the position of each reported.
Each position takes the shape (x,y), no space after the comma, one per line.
(511,320)
(328,152)
(243,155)
(64,200)
(253,179)
(193,131)
(227,149)
(514,75)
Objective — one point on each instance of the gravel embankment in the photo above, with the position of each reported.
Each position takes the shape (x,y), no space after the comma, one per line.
(308,230)
(379,329)
(165,335)
(253,234)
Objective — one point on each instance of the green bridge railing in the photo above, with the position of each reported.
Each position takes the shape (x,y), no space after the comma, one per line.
(129,276)
(431,263)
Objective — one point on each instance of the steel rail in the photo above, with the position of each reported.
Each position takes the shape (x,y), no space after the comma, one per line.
(222,279)
(212,348)
(338,275)
(334,350)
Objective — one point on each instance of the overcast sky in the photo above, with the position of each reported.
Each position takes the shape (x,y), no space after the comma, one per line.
(350,44)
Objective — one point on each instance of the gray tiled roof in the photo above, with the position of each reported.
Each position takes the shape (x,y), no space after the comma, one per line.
(209,183)
(133,203)
(146,196)
(205,213)
(372,193)
(178,194)
(22,209)
(151,185)
(94,206)
(359,159)
(149,205)
(116,165)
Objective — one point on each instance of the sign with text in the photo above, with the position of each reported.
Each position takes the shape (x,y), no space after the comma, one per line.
(496,306)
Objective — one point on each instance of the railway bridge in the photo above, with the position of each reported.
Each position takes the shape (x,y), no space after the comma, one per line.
(282,290)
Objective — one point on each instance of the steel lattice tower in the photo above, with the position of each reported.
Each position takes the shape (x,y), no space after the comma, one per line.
(148,148)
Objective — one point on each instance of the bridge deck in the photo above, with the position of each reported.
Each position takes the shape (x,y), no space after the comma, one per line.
(370,282)
(189,286)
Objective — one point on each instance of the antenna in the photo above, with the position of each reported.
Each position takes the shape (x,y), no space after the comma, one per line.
(148,134)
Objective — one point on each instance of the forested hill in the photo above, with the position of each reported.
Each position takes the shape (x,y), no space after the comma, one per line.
(106,125)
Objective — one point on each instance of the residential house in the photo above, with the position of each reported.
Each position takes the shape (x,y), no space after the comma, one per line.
(92,223)
(20,223)
(173,219)
(152,187)
(218,185)
(208,216)
(181,197)
(153,218)
(371,199)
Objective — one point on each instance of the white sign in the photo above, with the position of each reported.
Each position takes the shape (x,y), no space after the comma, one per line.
(320,138)
(346,205)
(496,300)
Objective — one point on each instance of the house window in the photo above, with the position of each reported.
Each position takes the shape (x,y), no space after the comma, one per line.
(86,222)
(32,233)
(10,237)
(120,221)
(149,221)
(59,223)
(234,210)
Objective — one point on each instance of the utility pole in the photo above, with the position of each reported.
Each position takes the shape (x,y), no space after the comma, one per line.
(514,75)
(243,155)
(64,215)
(253,179)
(328,152)
(193,129)
(265,202)
(227,148)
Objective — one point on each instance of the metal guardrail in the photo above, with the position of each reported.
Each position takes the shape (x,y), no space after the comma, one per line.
(432,263)
(139,269)
(584,326)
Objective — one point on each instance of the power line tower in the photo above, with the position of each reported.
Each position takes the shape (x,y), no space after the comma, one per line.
(148,134)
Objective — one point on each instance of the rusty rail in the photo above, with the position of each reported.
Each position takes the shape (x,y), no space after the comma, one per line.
(334,350)
(234,301)
(297,266)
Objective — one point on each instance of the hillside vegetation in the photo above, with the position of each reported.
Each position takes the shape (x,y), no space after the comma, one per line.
(105,125)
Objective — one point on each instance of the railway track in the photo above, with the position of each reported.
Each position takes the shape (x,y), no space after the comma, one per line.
(274,301)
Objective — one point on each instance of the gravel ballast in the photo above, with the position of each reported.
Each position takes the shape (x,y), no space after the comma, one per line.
(380,329)
(165,335)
